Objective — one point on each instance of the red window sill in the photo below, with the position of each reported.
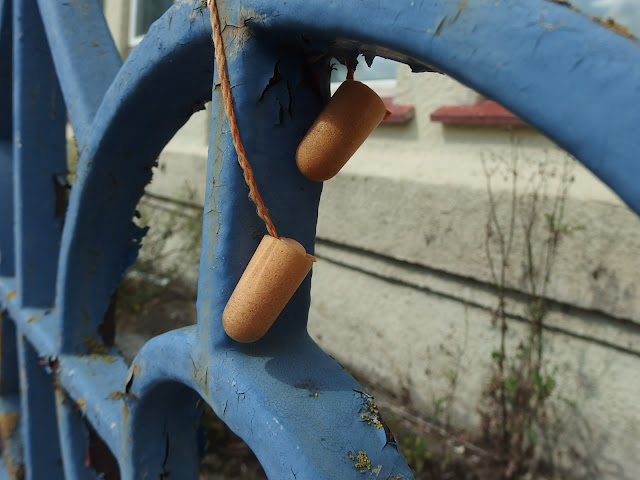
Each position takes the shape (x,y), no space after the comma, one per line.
(485,113)
(400,114)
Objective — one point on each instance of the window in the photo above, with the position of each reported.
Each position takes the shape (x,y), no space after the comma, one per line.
(381,76)
(143,13)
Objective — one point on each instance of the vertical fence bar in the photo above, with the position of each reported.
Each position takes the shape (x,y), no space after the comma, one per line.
(42,456)
(6,130)
(85,55)
(5,70)
(161,437)
(9,384)
(101,238)
(39,156)
(6,209)
(74,440)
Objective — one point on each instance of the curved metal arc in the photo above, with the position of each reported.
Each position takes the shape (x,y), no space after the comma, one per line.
(297,409)
(100,239)
(84,54)
(559,70)
(160,407)
(305,414)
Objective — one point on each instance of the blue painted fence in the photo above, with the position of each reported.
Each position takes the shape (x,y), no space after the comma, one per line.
(61,382)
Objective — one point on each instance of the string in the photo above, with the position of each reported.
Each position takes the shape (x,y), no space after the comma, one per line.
(350,73)
(227,96)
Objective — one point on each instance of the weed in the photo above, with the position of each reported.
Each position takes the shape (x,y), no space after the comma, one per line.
(416,451)
(516,409)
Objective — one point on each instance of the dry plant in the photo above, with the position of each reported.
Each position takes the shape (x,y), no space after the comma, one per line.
(526,227)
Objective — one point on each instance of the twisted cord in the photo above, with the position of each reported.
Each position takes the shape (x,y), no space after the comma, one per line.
(227,96)
(350,73)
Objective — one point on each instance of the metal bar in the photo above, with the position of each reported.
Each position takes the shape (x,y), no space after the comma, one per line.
(85,57)
(101,240)
(37,324)
(6,132)
(475,43)
(7,255)
(97,384)
(164,433)
(74,440)
(298,410)
(161,408)
(231,228)
(6,129)
(42,456)
(9,381)
(39,158)
(90,380)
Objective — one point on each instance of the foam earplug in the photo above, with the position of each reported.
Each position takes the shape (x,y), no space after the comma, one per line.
(274,273)
(347,120)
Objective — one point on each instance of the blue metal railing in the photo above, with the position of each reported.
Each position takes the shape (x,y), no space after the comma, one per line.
(60,381)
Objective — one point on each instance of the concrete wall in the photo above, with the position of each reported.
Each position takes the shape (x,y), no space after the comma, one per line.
(403,292)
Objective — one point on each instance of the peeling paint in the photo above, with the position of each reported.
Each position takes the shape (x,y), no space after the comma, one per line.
(370,414)
(609,22)
(242,33)
(118,395)
(133,371)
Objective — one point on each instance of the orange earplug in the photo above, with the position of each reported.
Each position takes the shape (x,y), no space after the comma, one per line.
(274,273)
(351,115)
